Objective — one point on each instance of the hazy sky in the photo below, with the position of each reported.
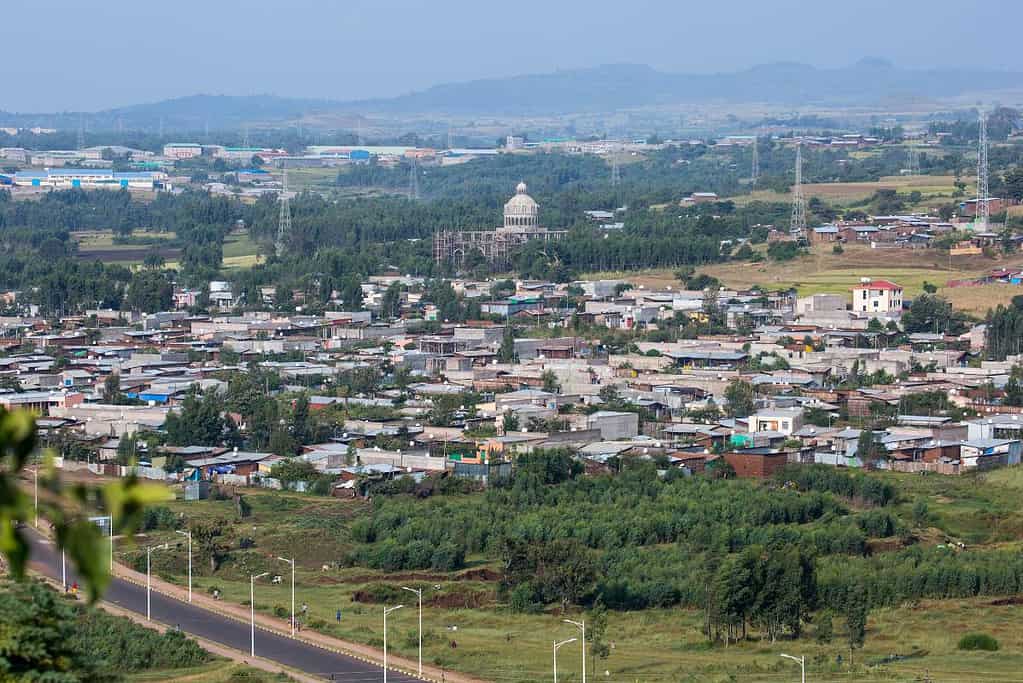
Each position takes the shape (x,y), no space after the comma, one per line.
(95,54)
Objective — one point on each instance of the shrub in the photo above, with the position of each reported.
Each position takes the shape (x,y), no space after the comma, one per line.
(978,641)
(160,517)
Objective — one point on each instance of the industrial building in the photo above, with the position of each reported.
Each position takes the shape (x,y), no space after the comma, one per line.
(66,178)
(182,150)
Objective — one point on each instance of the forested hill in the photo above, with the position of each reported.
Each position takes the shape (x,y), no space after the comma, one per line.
(602,88)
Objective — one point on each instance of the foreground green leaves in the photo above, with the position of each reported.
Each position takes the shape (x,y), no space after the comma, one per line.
(66,508)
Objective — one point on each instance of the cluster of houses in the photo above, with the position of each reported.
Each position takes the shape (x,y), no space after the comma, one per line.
(554,383)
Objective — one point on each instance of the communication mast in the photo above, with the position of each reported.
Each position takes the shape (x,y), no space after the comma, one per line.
(797,227)
(983,212)
(284,221)
(755,173)
(413,179)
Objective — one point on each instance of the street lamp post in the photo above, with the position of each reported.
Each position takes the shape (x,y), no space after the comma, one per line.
(36,491)
(188,534)
(581,625)
(802,665)
(149,576)
(387,610)
(292,563)
(252,611)
(109,520)
(556,646)
(419,594)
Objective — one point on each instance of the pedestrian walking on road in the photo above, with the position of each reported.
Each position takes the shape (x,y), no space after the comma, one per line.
(338,616)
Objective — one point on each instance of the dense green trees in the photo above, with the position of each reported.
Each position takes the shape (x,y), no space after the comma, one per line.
(740,398)
(44,637)
(932,313)
(1005,329)
(201,422)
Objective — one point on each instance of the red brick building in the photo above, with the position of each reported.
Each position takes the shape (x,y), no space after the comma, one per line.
(756,462)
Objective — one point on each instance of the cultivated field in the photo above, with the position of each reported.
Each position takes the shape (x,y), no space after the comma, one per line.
(845,194)
(822,271)
(98,245)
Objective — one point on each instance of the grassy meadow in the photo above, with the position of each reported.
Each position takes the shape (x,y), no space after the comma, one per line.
(467,628)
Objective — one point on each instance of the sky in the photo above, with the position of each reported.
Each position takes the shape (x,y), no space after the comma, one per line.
(88,55)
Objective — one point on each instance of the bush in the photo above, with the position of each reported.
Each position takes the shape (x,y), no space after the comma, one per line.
(447,557)
(837,249)
(523,599)
(160,517)
(128,647)
(978,641)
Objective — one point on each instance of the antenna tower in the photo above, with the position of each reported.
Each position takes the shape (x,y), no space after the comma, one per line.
(81,133)
(284,222)
(413,179)
(797,227)
(983,212)
(755,173)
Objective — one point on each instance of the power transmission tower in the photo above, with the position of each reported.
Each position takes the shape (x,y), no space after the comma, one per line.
(413,179)
(161,128)
(450,146)
(755,173)
(914,160)
(797,226)
(206,129)
(616,174)
(983,213)
(284,221)
(81,133)
(245,135)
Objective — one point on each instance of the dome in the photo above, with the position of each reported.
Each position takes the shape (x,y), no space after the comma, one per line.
(521,211)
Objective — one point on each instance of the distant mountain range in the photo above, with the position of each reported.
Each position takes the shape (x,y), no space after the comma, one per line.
(600,89)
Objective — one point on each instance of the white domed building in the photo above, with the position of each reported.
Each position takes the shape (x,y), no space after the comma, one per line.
(521,212)
(521,225)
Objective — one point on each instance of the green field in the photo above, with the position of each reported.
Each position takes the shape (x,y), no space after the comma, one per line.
(468,629)
(239,249)
(219,671)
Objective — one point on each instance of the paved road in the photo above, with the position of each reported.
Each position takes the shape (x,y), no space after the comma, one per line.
(191,619)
